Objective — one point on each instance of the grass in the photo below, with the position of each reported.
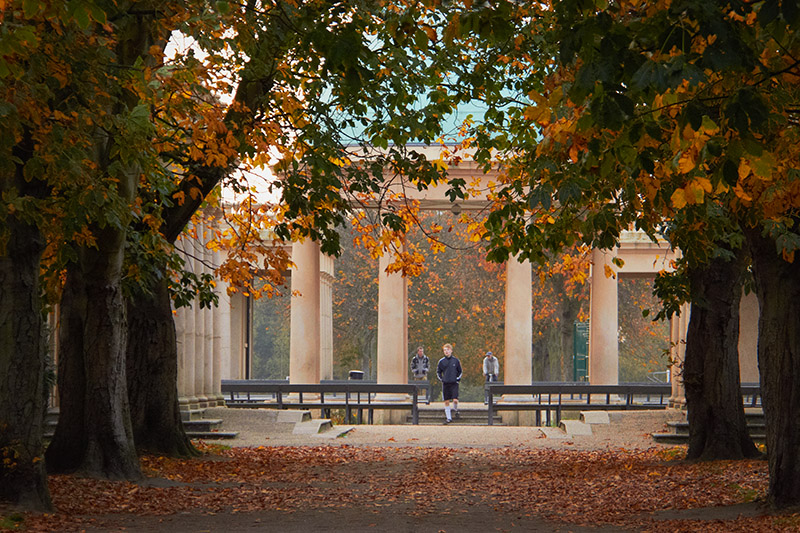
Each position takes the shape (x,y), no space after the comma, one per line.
(12,522)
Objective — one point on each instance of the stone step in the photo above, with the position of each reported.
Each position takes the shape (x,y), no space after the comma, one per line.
(682,428)
(202,425)
(679,430)
(310,427)
(675,438)
(670,438)
(212,435)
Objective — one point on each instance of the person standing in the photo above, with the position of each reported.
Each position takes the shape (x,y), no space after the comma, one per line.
(491,368)
(420,364)
(419,369)
(449,373)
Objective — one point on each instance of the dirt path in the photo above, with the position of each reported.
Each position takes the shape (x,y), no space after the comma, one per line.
(424,479)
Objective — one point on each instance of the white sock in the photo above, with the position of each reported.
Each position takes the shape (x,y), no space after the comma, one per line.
(447,412)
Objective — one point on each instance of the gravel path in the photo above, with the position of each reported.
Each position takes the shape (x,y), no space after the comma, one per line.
(630,430)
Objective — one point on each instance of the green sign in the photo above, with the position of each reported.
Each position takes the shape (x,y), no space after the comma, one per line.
(580,351)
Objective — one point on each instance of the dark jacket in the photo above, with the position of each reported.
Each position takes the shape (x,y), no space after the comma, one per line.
(449,369)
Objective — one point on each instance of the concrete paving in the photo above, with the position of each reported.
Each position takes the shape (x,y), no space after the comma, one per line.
(260,427)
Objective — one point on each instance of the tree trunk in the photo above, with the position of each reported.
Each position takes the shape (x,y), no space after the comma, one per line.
(569,314)
(23,362)
(152,370)
(69,440)
(94,434)
(778,288)
(541,359)
(717,426)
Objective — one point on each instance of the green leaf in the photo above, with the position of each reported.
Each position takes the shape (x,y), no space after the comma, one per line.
(30,8)
(769,11)
(98,14)
(714,148)
(139,118)
(78,11)
(730,172)
(224,7)
(790,10)
(568,192)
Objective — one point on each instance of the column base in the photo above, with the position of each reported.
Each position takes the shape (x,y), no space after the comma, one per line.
(390,417)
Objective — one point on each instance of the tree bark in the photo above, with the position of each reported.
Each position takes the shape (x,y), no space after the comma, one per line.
(569,314)
(717,426)
(69,440)
(23,362)
(152,369)
(778,287)
(152,355)
(94,434)
(541,359)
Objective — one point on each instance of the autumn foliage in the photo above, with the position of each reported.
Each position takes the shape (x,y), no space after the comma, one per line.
(643,490)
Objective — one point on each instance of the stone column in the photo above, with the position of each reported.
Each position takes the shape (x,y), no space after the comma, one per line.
(392,338)
(238,335)
(216,360)
(748,338)
(208,356)
(677,351)
(603,323)
(326,317)
(178,319)
(392,325)
(305,332)
(517,365)
(199,329)
(225,352)
(187,357)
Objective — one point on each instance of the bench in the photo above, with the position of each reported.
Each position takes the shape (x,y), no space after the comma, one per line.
(347,395)
(555,398)
(551,398)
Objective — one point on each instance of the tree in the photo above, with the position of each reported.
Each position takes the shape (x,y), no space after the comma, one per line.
(94,433)
(43,161)
(677,118)
(643,341)
(559,300)
(355,309)
(717,426)
(666,117)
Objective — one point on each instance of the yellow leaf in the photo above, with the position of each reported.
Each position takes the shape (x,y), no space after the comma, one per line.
(694,193)
(704,183)
(744,169)
(686,163)
(609,272)
(678,199)
(439,164)
(741,194)
(573,153)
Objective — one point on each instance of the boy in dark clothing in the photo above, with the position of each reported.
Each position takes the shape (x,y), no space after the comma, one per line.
(449,373)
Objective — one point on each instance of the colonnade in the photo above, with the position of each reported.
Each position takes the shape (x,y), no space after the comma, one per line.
(211,342)
(203,334)
(392,357)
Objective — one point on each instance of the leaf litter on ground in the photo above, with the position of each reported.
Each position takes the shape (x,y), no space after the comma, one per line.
(643,490)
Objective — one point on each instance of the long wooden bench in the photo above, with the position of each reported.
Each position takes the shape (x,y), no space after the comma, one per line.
(549,398)
(347,395)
